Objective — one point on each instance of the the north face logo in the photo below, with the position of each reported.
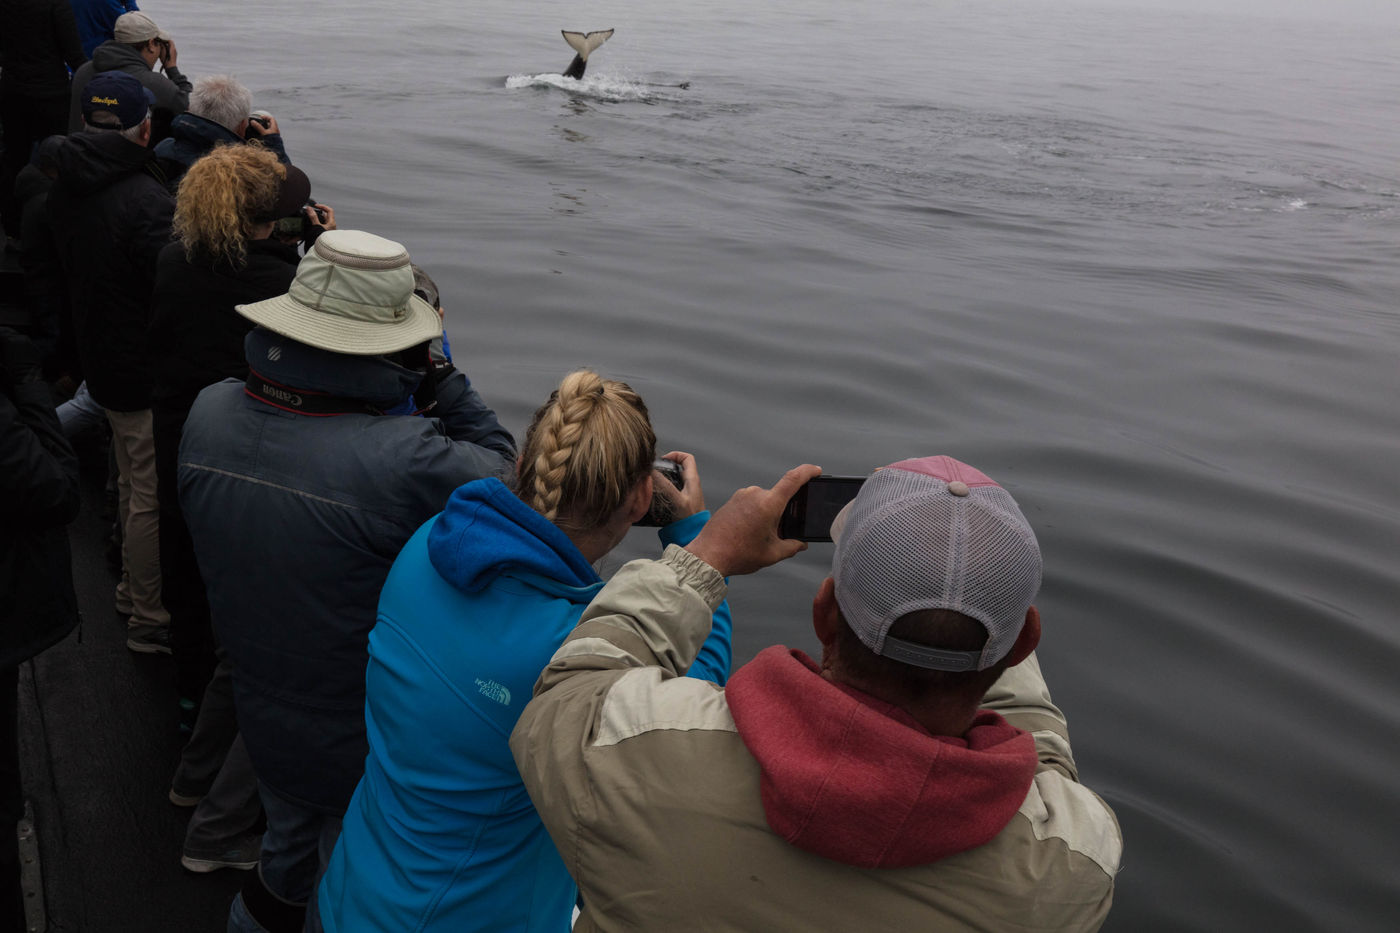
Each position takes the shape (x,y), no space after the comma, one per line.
(494,691)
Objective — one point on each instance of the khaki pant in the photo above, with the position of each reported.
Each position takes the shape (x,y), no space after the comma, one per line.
(133,443)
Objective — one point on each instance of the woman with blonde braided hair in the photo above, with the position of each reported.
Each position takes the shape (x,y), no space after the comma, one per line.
(441,834)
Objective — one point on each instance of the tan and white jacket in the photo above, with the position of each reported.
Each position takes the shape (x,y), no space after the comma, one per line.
(657,804)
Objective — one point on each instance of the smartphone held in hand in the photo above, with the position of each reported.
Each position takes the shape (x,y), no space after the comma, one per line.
(810,512)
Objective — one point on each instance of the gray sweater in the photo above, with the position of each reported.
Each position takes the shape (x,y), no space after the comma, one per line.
(171,89)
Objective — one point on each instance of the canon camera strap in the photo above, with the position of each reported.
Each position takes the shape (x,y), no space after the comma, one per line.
(304,401)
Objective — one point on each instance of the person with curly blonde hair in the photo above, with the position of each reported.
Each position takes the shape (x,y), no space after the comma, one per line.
(440,834)
(227,253)
(225,200)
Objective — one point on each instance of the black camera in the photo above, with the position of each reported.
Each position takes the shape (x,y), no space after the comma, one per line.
(297,224)
(662,511)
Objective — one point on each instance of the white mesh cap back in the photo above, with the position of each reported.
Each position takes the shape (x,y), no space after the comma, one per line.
(935,533)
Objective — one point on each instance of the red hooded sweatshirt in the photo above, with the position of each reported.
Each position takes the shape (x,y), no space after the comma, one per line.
(851,778)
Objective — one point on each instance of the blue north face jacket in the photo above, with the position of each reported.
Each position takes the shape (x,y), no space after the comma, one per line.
(441,834)
(296,520)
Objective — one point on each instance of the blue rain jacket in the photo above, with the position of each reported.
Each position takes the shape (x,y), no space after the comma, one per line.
(441,834)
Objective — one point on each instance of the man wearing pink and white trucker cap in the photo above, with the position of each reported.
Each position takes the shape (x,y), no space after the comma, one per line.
(918,776)
(936,533)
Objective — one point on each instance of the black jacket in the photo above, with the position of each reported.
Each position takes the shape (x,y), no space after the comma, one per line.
(196,336)
(39,40)
(192,137)
(45,288)
(111,214)
(38,497)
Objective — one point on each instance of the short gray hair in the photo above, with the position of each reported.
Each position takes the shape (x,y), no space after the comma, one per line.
(132,133)
(222,99)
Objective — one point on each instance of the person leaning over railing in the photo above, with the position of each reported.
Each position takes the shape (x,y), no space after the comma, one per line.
(440,834)
(917,777)
(227,253)
(299,484)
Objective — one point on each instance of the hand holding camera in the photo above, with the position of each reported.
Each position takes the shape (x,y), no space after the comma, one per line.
(260,123)
(168,53)
(675,490)
(682,484)
(319,215)
(313,220)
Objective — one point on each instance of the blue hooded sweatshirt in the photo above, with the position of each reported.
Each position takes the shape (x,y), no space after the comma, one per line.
(441,833)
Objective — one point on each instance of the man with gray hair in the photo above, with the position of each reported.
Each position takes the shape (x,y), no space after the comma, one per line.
(136,46)
(221,111)
(918,777)
(114,212)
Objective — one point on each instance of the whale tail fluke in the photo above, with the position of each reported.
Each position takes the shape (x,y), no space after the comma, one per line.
(584,44)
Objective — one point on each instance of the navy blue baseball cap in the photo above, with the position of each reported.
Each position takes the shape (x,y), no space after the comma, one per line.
(114,100)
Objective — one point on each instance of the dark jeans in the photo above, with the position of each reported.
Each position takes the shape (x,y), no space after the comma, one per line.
(280,897)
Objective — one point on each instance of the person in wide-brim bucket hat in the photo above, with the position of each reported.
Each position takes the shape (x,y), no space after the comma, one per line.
(353,294)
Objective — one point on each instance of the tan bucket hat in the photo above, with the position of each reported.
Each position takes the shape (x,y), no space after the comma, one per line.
(353,293)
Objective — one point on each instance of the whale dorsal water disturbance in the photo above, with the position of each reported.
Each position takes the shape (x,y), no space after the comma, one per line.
(583,44)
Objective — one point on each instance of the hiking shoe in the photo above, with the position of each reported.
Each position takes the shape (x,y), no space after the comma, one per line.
(242,854)
(154,641)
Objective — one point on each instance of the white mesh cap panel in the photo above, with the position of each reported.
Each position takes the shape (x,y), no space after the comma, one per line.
(908,543)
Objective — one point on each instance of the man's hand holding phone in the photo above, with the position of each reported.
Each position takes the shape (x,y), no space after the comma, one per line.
(742,536)
(810,512)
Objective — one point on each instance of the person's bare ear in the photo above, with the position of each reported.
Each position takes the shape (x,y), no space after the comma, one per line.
(827,622)
(1028,639)
(639,499)
(826,614)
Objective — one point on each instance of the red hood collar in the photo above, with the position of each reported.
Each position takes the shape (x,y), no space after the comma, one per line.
(854,779)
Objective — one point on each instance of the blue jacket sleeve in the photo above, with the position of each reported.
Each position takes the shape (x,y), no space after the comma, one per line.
(273,143)
(465,416)
(717,653)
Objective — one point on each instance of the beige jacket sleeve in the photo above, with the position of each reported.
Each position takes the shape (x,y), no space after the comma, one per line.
(646,625)
(1020,695)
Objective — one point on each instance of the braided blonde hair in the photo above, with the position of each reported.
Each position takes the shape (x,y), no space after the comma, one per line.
(585,450)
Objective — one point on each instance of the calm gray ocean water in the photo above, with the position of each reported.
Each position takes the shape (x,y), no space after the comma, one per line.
(1140,266)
